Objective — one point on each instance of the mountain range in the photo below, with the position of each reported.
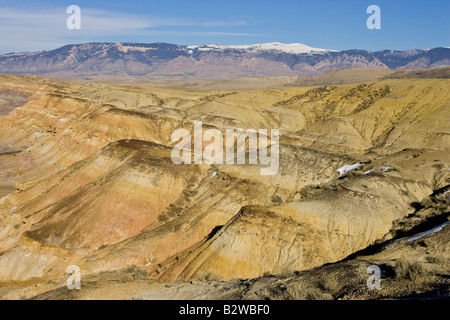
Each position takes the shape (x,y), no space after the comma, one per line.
(102,60)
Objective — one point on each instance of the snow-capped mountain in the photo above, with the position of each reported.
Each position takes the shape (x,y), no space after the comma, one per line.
(164,60)
(294,48)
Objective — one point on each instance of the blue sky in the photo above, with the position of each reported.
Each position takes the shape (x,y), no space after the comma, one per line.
(330,24)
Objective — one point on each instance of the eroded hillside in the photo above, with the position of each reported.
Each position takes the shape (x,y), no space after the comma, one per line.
(88,180)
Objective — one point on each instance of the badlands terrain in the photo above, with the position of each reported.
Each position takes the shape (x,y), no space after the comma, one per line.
(87,179)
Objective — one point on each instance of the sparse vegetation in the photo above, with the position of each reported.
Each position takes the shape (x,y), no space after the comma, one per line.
(313,189)
(137,273)
(353,174)
(331,285)
(304,291)
(276,200)
(438,166)
(209,277)
(413,271)
(217,96)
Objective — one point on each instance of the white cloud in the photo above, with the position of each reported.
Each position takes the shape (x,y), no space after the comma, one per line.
(23,30)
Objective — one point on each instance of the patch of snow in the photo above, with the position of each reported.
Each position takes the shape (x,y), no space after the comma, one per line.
(435,229)
(369,171)
(385,168)
(294,48)
(126,48)
(213,174)
(348,168)
(446,193)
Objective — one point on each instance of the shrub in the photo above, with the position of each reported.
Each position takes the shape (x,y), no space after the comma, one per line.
(413,271)
(302,291)
(438,166)
(140,274)
(276,199)
(208,277)
(136,272)
(332,285)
